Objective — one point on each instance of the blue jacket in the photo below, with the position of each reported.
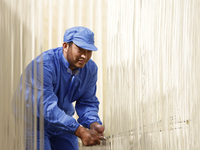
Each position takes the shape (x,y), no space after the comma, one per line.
(57,87)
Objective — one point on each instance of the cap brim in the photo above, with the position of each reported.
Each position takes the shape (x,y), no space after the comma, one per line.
(85,45)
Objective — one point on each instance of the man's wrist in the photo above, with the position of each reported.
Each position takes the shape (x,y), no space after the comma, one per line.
(80,131)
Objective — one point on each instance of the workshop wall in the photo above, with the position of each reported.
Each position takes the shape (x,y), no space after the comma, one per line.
(152,100)
(148,60)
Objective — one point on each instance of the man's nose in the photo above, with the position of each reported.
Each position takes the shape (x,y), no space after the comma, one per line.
(83,55)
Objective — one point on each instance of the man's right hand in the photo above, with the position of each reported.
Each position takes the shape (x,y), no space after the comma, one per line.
(88,137)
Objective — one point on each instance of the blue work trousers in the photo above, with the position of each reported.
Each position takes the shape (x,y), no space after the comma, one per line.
(52,138)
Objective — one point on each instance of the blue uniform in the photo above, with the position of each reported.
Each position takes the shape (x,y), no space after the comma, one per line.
(60,86)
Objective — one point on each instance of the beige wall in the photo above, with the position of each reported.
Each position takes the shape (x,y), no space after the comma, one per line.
(152,99)
(148,58)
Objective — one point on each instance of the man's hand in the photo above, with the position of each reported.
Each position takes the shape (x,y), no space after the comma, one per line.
(99,128)
(88,137)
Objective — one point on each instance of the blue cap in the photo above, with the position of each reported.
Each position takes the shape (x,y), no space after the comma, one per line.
(81,36)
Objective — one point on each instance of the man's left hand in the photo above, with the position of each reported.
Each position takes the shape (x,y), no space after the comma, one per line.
(99,128)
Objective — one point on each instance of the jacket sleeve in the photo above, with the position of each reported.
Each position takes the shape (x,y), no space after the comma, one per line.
(42,81)
(87,106)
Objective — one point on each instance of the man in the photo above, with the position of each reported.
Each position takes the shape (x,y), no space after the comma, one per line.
(68,75)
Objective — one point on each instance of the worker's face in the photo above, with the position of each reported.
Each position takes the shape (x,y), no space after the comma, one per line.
(76,56)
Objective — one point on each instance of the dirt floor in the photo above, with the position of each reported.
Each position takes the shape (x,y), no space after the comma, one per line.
(101,147)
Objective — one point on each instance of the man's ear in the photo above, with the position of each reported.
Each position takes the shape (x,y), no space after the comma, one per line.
(65,46)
